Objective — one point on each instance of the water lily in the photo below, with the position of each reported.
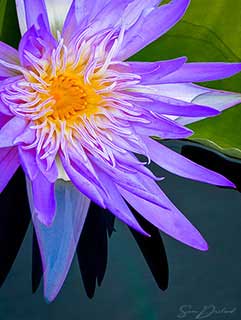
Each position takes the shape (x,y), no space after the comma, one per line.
(74,114)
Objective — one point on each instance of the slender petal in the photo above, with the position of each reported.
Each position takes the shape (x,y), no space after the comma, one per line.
(127,181)
(86,12)
(181,91)
(27,137)
(188,92)
(101,14)
(7,55)
(84,186)
(164,128)
(9,163)
(43,199)
(117,205)
(11,130)
(200,72)
(3,120)
(50,173)
(58,243)
(37,44)
(218,100)
(172,222)
(135,10)
(179,165)
(168,106)
(151,26)
(29,12)
(153,72)
(28,162)
(83,10)
(110,15)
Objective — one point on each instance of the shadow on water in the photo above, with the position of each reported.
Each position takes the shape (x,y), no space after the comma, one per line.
(153,251)
(15,218)
(228,167)
(92,249)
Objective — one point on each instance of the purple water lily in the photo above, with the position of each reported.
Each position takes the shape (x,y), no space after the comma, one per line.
(74,113)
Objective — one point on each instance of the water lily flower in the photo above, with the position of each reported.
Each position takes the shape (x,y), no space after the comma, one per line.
(74,114)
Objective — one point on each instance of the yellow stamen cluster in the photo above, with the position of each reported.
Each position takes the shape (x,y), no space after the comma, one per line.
(71,98)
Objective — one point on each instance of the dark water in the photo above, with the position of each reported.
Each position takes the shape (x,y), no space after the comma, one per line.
(129,290)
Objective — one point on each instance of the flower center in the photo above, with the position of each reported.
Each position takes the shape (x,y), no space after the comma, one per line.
(71,98)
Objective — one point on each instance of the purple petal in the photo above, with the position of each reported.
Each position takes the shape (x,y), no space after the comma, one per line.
(171,222)
(39,42)
(27,137)
(153,72)
(10,131)
(84,168)
(136,8)
(58,242)
(8,82)
(219,100)
(28,162)
(180,91)
(100,14)
(5,85)
(4,109)
(151,26)
(177,164)
(50,173)
(3,120)
(86,187)
(29,12)
(9,163)
(82,10)
(188,92)
(87,12)
(169,106)
(128,181)
(115,203)
(8,55)
(200,72)
(164,128)
(44,199)
(110,15)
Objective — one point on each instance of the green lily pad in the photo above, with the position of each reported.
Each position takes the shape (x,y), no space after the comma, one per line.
(210,31)
(9,29)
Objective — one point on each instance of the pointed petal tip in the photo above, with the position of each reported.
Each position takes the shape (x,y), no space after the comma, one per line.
(203,246)
(189,132)
(138,228)
(219,100)
(46,220)
(222,181)
(49,298)
(197,242)
(213,112)
(229,184)
(236,68)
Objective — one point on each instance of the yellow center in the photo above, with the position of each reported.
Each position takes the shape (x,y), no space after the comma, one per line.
(72,98)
